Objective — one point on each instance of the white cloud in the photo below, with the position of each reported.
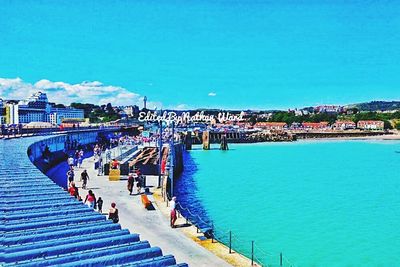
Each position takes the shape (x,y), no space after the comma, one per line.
(212,94)
(61,92)
(181,107)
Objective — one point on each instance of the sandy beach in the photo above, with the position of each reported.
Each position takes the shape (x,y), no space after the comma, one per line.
(388,137)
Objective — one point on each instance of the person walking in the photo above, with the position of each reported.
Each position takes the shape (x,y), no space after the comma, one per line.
(91,199)
(70,161)
(70,175)
(100,205)
(100,166)
(113,213)
(173,216)
(76,157)
(84,178)
(80,158)
(131,181)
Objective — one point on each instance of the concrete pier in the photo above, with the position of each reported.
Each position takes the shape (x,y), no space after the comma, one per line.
(152,225)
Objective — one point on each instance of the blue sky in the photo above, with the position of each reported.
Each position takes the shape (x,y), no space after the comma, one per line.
(247,54)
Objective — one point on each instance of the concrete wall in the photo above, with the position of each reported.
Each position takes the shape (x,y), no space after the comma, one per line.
(59,143)
(56,167)
(178,159)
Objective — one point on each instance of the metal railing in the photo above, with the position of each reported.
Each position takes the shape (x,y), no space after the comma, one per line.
(49,131)
(233,243)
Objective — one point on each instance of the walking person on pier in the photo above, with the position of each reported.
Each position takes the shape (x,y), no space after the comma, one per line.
(100,205)
(100,166)
(76,157)
(173,216)
(80,158)
(70,161)
(70,175)
(84,178)
(131,181)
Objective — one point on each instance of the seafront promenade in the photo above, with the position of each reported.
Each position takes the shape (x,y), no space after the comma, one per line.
(152,225)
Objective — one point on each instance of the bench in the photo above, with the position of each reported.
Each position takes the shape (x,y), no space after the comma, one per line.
(145,200)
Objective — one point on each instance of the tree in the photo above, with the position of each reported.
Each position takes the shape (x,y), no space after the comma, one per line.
(253,119)
(387,125)
(109,109)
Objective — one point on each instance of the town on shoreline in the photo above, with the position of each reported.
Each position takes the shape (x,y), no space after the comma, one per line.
(36,114)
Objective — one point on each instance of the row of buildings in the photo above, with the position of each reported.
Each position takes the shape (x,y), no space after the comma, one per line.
(338,125)
(36,108)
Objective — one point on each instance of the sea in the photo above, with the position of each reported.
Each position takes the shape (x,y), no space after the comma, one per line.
(319,203)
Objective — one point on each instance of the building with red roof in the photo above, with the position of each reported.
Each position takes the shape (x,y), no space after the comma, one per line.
(371,125)
(315,125)
(271,125)
(344,125)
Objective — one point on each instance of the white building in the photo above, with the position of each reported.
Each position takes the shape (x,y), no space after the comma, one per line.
(57,115)
(2,112)
(36,108)
(11,114)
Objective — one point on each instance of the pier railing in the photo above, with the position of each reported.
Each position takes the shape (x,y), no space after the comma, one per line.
(248,248)
(28,132)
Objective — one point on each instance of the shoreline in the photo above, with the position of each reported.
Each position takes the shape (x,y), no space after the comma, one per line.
(387,137)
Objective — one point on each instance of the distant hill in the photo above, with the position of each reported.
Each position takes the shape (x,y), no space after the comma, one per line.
(377,105)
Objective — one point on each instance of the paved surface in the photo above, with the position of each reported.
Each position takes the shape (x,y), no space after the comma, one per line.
(151,225)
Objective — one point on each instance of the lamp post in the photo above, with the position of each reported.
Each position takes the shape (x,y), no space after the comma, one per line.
(160,143)
(171,159)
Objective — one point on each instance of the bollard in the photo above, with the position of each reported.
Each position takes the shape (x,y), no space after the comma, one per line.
(230,242)
(252,253)
(212,234)
(280,259)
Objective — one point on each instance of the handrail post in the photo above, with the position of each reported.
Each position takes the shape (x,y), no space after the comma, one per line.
(252,253)
(212,233)
(280,259)
(230,242)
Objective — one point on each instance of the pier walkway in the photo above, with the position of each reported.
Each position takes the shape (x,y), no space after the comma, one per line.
(42,225)
(151,224)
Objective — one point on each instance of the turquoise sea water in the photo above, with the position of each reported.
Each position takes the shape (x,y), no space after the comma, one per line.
(321,203)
